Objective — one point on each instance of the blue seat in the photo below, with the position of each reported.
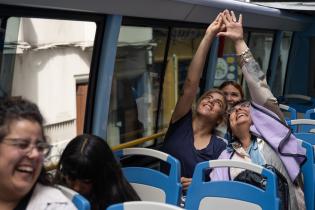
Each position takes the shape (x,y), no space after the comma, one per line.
(299,102)
(78,200)
(292,114)
(150,184)
(308,169)
(302,125)
(310,114)
(143,205)
(290,110)
(227,195)
(307,137)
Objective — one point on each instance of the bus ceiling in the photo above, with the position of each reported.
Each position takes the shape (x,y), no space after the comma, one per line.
(200,11)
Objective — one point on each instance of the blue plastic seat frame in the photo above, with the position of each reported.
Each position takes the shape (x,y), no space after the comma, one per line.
(170,184)
(301,107)
(308,169)
(301,125)
(292,111)
(199,189)
(78,200)
(308,113)
(293,114)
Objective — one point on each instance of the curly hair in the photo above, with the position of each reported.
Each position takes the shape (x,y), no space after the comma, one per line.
(15,109)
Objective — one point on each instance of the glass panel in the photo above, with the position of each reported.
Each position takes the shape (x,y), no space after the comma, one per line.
(184,43)
(48,61)
(260,44)
(282,64)
(135,86)
(136,82)
(227,67)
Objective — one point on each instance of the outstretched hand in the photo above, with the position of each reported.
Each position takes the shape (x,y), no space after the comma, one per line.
(234,27)
(216,26)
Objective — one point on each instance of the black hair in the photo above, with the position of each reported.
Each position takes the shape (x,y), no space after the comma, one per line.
(15,109)
(89,157)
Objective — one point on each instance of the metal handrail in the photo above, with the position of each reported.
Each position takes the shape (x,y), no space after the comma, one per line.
(138,141)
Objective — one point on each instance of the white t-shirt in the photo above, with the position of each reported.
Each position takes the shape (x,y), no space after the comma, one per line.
(49,198)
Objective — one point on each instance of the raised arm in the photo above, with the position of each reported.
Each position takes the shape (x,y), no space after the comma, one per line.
(195,70)
(255,78)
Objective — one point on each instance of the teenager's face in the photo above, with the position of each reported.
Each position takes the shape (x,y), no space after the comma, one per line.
(211,105)
(232,95)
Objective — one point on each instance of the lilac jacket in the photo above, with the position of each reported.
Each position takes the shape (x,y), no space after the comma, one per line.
(267,125)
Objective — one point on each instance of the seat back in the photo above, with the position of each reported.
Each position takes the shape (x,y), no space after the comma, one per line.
(227,195)
(292,114)
(143,205)
(309,114)
(308,170)
(150,184)
(78,200)
(290,110)
(299,102)
(307,137)
(302,125)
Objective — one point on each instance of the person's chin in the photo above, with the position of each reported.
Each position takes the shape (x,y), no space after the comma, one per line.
(24,182)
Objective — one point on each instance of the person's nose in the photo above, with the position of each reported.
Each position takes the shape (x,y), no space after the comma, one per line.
(33,152)
(211,100)
(228,97)
(238,108)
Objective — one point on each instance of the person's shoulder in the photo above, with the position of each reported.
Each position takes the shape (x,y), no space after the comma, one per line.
(184,118)
(176,128)
(225,154)
(47,195)
(220,141)
(49,191)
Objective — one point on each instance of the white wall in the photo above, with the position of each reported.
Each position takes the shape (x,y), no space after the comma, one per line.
(50,54)
(46,77)
(41,32)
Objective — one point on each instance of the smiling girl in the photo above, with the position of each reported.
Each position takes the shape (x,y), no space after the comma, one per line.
(190,137)
(23,148)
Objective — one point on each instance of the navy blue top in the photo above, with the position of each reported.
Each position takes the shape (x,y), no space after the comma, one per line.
(179,142)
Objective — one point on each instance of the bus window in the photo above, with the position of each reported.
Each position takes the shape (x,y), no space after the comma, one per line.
(282,64)
(135,85)
(184,43)
(227,67)
(48,62)
(260,44)
(136,80)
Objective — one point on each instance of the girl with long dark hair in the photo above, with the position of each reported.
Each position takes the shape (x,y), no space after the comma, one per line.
(88,166)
